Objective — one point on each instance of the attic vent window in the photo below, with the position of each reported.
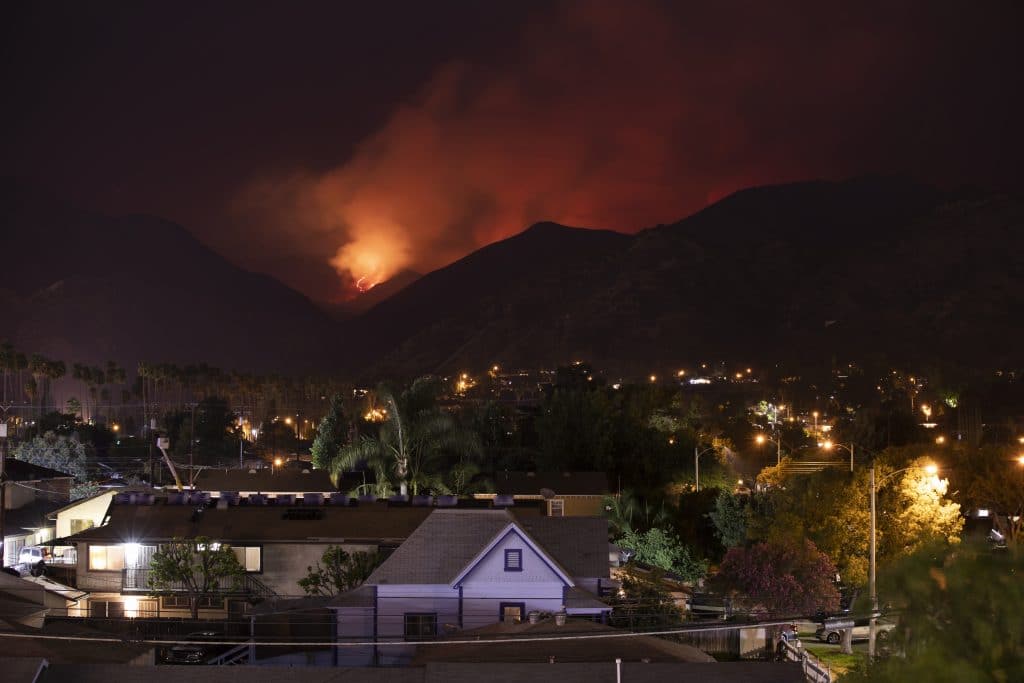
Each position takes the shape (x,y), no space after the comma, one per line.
(514,560)
(303,514)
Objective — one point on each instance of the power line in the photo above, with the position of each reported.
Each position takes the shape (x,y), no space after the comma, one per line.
(363,643)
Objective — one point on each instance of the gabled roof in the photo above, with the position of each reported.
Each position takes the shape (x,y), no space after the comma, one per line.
(449,540)
(562,483)
(30,517)
(19,470)
(514,529)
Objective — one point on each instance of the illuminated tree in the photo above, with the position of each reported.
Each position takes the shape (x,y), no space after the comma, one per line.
(917,512)
(197,568)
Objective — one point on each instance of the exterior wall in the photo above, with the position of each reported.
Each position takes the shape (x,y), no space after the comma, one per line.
(582,506)
(573,505)
(133,606)
(395,601)
(93,509)
(536,568)
(355,624)
(285,563)
(18,496)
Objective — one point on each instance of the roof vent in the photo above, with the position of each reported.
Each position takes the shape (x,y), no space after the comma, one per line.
(252,471)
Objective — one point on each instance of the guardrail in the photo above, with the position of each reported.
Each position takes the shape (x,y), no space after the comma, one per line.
(137,581)
(814,670)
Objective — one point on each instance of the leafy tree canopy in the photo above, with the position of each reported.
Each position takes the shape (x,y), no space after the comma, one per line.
(197,567)
(331,433)
(338,571)
(658,548)
(730,519)
(959,616)
(781,579)
(60,453)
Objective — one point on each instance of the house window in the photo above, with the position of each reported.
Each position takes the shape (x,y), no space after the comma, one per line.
(109,609)
(81,525)
(514,560)
(420,625)
(106,558)
(556,508)
(182,602)
(511,612)
(249,557)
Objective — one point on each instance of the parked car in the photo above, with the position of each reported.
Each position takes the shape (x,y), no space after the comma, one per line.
(828,633)
(32,555)
(205,645)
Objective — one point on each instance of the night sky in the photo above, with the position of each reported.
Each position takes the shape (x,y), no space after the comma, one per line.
(325,143)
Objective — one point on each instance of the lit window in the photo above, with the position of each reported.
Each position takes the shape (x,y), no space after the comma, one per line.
(248,557)
(106,558)
(420,626)
(81,525)
(514,560)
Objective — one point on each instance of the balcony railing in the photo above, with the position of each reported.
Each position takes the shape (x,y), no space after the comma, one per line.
(138,581)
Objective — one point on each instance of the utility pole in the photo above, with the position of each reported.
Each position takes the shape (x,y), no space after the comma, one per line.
(191,448)
(3,488)
(871,578)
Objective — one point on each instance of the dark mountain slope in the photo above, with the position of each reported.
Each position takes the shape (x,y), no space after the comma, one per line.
(86,287)
(509,302)
(869,268)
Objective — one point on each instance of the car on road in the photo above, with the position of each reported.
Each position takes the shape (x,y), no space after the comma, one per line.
(828,632)
(203,646)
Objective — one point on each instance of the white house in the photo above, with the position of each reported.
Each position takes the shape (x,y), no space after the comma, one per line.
(462,569)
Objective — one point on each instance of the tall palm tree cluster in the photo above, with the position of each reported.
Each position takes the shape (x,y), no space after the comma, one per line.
(417,447)
(152,390)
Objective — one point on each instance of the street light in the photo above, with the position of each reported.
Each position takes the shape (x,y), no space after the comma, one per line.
(829,445)
(930,469)
(761,438)
(696,462)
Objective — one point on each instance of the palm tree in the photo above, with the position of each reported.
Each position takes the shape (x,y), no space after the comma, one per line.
(414,438)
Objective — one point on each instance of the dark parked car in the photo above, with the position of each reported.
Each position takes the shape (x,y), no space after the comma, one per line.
(205,645)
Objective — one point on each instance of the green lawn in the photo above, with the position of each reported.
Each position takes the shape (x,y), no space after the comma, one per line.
(839,662)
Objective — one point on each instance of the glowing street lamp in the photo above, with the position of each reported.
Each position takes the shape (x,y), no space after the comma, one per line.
(761,439)
(940,439)
(931,470)
(828,445)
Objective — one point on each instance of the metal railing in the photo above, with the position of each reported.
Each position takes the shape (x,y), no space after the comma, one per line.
(138,581)
(814,670)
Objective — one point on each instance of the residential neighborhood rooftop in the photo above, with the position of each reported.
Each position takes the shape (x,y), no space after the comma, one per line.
(450,539)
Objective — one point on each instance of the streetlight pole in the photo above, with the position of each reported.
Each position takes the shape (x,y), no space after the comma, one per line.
(696,463)
(828,445)
(871,577)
